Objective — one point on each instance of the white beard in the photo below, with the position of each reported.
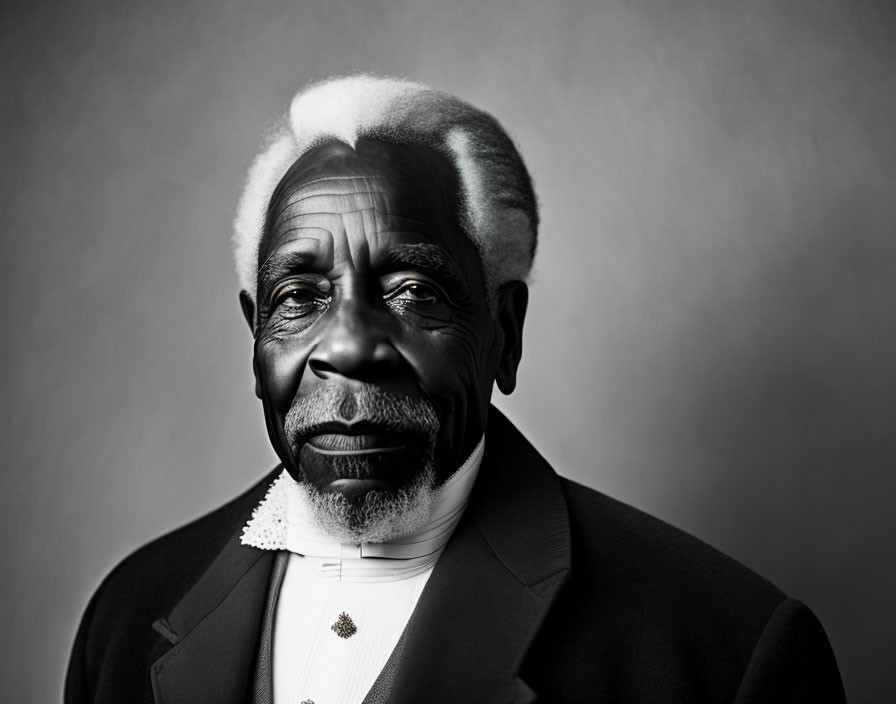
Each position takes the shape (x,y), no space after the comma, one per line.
(381,516)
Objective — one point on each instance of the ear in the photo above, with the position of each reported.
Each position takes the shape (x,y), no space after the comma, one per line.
(248,310)
(249,314)
(513,298)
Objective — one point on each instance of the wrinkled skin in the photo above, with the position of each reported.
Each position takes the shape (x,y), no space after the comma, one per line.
(365,278)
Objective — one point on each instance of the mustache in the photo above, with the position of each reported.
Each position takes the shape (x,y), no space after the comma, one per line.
(356,410)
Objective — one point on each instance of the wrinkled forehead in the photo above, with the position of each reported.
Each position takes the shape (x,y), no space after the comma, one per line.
(390,186)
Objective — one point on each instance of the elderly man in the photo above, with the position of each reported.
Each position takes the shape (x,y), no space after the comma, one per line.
(413,546)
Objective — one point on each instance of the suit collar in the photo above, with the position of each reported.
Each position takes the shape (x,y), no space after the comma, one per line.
(519,506)
(493,585)
(214,628)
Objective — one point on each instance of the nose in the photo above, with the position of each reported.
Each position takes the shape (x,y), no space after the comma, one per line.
(355,345)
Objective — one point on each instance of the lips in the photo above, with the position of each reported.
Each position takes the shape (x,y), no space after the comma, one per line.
(346,442)
(378,465)
(359,437)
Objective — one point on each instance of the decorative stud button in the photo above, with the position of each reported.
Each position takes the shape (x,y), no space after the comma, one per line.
(344,626)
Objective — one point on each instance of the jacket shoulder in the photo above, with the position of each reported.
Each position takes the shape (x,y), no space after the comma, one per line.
(116,639)
(649,612)
(173,561)
(657,554)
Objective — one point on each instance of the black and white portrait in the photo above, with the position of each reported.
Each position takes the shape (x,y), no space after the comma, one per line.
(407,351)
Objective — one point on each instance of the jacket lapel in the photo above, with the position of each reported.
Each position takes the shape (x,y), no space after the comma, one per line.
(493,585)
(214,629)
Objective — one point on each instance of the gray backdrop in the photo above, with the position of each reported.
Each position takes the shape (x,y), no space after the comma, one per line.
(712,332)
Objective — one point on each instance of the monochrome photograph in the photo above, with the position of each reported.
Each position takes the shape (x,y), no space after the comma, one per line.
(403,351)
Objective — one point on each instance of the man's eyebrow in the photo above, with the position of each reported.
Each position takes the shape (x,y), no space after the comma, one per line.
(432,259)
(280,264)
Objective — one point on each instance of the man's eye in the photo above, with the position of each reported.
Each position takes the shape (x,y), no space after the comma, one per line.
(297,301)
(414,294)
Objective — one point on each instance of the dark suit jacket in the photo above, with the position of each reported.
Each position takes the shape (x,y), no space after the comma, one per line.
(547,591)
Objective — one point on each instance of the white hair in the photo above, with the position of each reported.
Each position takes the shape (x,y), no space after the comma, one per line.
(497,209)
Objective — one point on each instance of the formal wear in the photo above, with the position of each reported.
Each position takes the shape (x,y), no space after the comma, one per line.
(340,609)
(547,591)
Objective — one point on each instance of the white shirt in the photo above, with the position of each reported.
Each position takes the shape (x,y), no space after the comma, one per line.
(377,585)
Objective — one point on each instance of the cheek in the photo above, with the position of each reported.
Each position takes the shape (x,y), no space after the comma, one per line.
(448,358)
(471,354)
(456,369)
(280,367)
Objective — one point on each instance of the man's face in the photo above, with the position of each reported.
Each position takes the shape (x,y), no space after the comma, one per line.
(375,349)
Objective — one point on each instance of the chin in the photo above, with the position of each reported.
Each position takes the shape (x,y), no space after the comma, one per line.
(356,516)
